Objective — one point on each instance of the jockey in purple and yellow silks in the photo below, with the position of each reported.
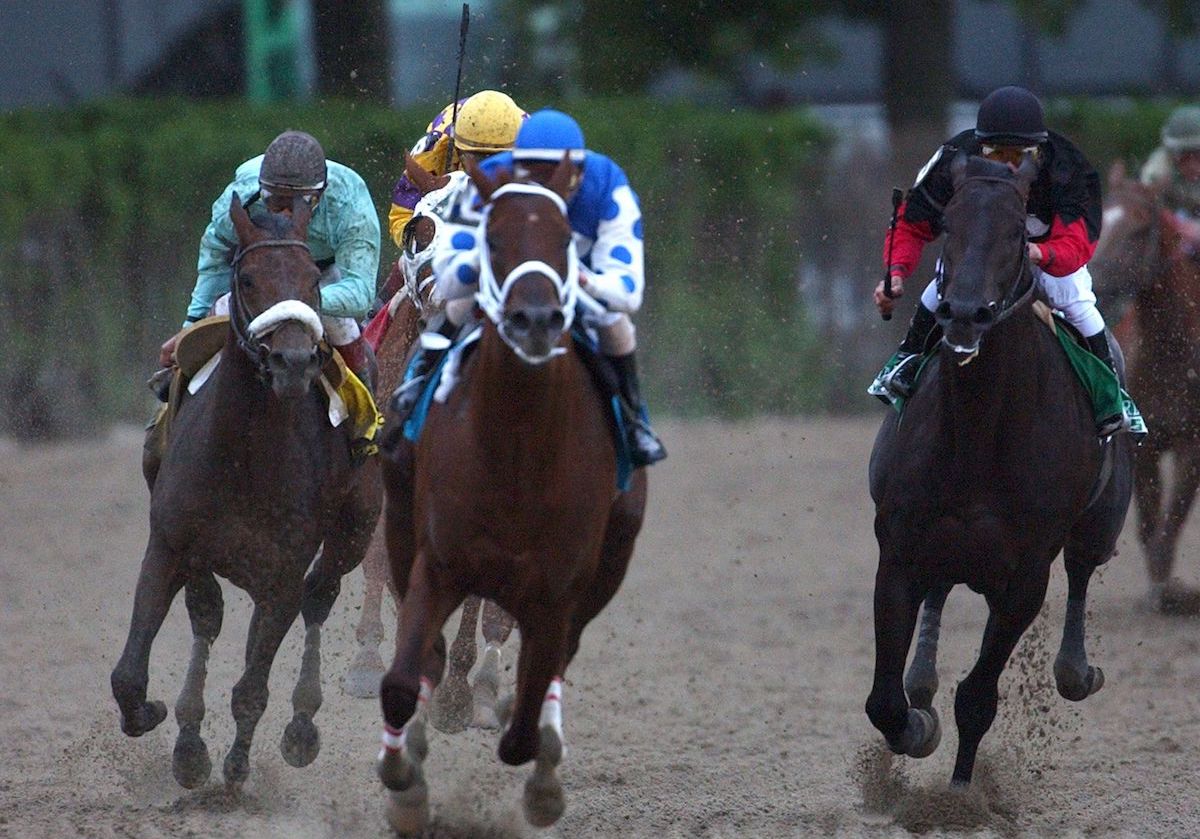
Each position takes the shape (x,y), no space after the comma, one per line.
(487,123)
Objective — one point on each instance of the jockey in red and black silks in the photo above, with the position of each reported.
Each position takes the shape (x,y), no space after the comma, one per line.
(1062,228)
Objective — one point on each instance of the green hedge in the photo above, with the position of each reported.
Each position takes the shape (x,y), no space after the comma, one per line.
(104,206)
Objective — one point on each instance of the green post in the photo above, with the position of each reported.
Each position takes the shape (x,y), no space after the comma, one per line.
(272,33)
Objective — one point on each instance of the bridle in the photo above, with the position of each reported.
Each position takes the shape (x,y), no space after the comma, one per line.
(251,329)
(434,205)
(1023,287)
(493,293)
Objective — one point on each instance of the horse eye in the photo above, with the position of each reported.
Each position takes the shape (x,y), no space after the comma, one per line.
(246,280)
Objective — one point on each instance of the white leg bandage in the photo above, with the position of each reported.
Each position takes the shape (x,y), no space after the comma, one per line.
(552,707)
(340,331)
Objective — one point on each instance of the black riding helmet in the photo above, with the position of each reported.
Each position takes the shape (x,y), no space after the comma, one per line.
(1010,116)
(293,161)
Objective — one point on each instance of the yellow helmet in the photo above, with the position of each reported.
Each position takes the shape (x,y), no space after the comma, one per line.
(487,122)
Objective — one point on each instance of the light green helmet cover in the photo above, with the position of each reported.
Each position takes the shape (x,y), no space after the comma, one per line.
(1181,131)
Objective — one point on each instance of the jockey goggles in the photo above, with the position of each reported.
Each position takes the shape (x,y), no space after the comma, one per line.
(309,195)
(1009,154)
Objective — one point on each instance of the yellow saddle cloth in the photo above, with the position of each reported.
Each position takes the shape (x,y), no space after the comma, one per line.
(348,398)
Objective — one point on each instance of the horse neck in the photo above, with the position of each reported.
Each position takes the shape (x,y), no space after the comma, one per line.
(994,391)
(1172,322)
(510,397)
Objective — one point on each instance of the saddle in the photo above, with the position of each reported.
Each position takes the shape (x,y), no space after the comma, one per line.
(196,355)
(445,377)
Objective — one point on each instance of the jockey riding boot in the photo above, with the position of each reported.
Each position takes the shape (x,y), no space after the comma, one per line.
(360,359)
(898,378)
(646,448)
(1098,344)
(426,359)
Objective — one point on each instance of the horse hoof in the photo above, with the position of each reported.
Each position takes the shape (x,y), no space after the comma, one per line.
(362,681)
(145,718)
(1074,686)
(408,810)
(190,763)
(451,710)
(236,767)
(923,733)
(544,802)
(399,772)
(485,717)
(301,741)
(1174,598)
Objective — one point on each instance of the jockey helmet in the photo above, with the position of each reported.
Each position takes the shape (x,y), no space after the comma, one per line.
(1181,131)
(487,122)
(546,135)
(1010,116)
(294,161)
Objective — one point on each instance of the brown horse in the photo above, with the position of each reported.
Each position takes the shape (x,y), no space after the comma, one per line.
(1141,264)
(254,480)
(408,291)
(992,471)
(510,494)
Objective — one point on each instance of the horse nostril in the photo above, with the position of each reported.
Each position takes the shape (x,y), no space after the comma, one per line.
(557,321)
(984,316)
(519,321)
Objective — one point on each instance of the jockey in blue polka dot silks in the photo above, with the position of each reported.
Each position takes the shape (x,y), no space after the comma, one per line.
(606,221)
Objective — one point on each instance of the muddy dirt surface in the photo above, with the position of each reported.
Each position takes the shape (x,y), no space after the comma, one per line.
(720,695)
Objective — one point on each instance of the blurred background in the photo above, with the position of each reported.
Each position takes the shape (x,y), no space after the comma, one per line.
(763,137)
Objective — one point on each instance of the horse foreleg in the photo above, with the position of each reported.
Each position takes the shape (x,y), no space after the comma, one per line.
(1174,597)
(362,679)
(268,626)
(1147,483)
(405,694)
(497,626)
(978,694)
(161,577)
(921,680)
(1076,679)
(190,763)
(910,731)
(451,710)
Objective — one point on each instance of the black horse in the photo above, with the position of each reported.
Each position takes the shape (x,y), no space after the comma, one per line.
(992,469)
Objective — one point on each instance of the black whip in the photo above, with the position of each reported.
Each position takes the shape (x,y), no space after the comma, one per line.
(462,51)
(897,197)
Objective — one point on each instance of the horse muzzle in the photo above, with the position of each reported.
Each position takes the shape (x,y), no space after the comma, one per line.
(963,325)
(292,371)
(534,332)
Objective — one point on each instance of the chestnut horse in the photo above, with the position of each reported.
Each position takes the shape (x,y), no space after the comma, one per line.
(1141,265)
(993,468)
(456,702)
(253,481)
(510,494)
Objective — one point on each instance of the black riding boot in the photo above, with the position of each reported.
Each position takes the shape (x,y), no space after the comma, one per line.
(645,445)
(898,378)
(1098,344)
(424,361)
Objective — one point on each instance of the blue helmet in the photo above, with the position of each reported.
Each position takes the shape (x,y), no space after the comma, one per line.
(546,135)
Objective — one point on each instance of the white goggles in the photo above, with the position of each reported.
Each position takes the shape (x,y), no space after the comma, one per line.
(308,196)
(988,151)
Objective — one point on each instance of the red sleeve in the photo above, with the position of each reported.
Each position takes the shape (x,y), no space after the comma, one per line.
(1067,249)
(905,243)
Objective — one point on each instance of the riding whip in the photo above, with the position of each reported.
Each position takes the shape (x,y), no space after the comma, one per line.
(462,51)
(897,197)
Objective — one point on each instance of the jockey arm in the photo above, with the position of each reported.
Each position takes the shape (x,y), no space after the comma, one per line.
(217,245)
(1067,249)
(430,154)
(613,271)
(354,237)
(905,244)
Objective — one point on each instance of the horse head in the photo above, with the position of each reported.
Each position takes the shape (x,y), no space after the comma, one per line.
(984,265)
(529,273)
(438,195)
(1129,254)
(275,297)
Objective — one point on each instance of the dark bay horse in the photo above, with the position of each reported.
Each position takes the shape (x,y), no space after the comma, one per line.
(509,494)
(993,468)
(254,480)
(456,702)
(1141,265)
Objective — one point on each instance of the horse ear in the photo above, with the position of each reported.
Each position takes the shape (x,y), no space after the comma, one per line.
(1116,174)
(241,219)
(301,215)
(482,182)
(564,178)
(421,177)
(958,168)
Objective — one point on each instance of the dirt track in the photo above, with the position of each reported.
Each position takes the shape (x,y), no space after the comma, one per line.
(720,695)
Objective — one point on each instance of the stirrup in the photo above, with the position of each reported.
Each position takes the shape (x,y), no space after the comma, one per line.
(645,447)
(405,397)
(897,379)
